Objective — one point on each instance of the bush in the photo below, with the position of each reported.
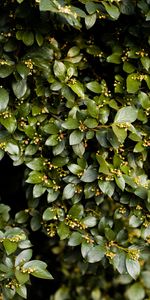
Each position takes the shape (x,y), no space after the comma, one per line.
(74,111)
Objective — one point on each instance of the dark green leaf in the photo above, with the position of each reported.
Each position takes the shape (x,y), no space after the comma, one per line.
(75,239)
(4,99)
(76,137)
(89,174)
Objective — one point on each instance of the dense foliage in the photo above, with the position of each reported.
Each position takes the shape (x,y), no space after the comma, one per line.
(74,110)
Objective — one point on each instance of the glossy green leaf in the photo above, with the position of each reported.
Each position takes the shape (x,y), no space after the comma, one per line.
(4,99)
(78,88)
(10,247)
(76,137)
(28,38)
(22,291)
(49,214)
(68,191)
(112,10)
(90,21)
(37,164)
(96,253)
(133,83)
(126,114)
(63,231)
(133,267)
(75,239)
(19,88)
(38,269)
(25,255)
(89,175)
(59,69)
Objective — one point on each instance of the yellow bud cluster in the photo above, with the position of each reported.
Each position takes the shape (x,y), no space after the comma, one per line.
(110,254)
(6,114)
(88,239)
(134,254)
(74,223)
(29,270)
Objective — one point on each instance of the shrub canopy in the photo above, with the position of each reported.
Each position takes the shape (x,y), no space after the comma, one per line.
(74,109)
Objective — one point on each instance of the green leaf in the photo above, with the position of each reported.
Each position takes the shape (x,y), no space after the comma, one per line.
(39,39)
(76,137)
(75,239)
(78,88)
(89,175)
(2,153)
(85,248)
(96,253)
(21,277)
(46,5)
(12,148)
(120,133)
(79,149)
(60,161)
(31,150)
(10,247)
(9,123)
(52,195)
(133,83)
(38,269)
(51,128)
(4,99)
(112,10)
(63,231)
(34,177)
(144,100)
(119,262)
(76,211)
(23,70)
(21,216)
(91,122)
(52,140)
(70,123)
(126,114)
(38,190)
(68,191)
(73,51)
(19,88)
(90,20)
(145,62)
(90,221)
(37,164)
(101,136)
(106,187)
(135,291)
(25,255)
(75,169)
(104,166)
(134,221)
(59,70)
(28,38)
(92,108)
(120,182)
(49,214)
(22,291)
(114,58)
(133,267)
(128,67)
(6,70)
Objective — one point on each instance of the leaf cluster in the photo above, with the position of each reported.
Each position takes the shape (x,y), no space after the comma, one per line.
(74,109)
